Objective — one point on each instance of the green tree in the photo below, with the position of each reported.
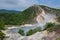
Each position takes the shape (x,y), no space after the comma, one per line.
(48,25)
(2,25)
(56,28)
(2,35)
(32,31)
(21,32)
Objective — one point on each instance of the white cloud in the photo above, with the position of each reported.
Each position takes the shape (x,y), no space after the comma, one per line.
(23,4)
(16,4)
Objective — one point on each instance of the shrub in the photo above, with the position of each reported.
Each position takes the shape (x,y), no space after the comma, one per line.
(49,25)
(2,35)
(55,28)
(32,31)
(50,29)
(21,32)
(2,25)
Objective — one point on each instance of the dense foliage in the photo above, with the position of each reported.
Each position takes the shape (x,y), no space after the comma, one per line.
(2,35)
(49,25)
(52,27)
(24,17)
(32,31)
(21,32)
(2,25)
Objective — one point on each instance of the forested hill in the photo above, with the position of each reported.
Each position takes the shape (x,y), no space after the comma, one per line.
(25,17)
(8,11)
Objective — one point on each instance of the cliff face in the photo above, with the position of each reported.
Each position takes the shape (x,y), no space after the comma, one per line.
(40,18)
(38,14)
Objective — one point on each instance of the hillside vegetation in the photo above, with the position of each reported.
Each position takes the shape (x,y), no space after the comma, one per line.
(25,17)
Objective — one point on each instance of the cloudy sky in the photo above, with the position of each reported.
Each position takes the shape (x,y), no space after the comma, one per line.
(23,4)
